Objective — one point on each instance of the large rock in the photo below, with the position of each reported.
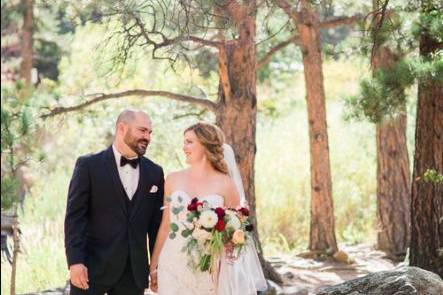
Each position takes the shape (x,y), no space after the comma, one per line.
(402,281)
(275,289)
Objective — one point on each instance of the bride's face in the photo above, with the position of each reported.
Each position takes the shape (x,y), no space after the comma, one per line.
(193,149)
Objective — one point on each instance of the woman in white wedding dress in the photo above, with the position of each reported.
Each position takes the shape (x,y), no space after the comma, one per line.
(209,178)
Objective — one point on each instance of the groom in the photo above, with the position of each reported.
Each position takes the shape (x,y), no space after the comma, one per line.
(114,202)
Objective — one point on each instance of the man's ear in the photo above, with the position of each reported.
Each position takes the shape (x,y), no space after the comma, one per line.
(120,127)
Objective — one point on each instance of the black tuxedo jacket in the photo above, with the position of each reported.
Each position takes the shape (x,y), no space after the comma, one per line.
(101,230)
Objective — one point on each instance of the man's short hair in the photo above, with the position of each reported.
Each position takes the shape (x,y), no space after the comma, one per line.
(126,116)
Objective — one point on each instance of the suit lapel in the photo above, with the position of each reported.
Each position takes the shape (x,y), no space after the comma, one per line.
(115,179)
(144,183)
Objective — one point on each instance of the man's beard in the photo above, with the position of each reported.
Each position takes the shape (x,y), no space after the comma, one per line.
(138,146)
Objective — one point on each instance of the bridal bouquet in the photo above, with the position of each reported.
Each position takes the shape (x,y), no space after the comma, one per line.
(210,231)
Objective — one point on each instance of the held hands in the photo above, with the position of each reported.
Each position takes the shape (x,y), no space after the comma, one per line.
(79,276)
(153,283)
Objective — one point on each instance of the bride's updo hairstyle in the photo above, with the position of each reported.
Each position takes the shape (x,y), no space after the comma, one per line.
(212,138)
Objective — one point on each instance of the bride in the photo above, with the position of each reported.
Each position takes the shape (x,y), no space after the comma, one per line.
(212,176)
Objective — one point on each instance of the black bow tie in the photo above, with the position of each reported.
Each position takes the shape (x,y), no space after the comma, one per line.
(132,162)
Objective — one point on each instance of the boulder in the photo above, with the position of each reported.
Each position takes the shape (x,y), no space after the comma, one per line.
(402,281)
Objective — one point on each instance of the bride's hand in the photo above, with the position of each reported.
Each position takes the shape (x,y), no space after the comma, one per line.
(229,248)
(153,283)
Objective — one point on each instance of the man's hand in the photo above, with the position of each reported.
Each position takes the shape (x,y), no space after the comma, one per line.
(153,284)
(79,276)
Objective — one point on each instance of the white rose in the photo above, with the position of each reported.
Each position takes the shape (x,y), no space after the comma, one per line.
(208,219)
(233,222)
(230,212)
(201,235)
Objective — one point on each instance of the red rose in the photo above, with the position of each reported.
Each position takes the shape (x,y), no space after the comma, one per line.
(244,211)
(220,226)
(220,213)
(193,205)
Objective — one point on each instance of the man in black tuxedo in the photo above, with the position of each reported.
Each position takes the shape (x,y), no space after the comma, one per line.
(114,203)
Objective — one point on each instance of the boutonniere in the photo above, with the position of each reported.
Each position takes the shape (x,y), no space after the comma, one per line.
(153,189)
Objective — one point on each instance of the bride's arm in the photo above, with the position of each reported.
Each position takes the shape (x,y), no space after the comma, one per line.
(164,228)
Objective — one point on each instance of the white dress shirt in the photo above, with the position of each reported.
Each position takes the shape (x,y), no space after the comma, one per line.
(129,176)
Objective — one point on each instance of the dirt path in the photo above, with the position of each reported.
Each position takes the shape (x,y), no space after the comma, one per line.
(305,276)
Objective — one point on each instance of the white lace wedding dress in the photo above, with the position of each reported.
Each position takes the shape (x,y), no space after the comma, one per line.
(174,275)
(242,276)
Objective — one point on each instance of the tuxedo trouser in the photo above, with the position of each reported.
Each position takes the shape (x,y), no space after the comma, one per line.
(124,286)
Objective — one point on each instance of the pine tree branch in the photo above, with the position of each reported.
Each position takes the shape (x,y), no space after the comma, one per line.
(328,24)
(341,21)
(199,40)
(168,42)
(288,9)
(205,103)
(267,58)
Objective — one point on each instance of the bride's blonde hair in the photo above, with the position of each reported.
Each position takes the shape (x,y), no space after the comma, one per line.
(212,138)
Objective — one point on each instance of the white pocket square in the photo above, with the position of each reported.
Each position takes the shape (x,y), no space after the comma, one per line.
(153,189)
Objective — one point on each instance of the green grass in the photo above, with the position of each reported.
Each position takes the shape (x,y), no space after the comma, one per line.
(283,181)
(41,263)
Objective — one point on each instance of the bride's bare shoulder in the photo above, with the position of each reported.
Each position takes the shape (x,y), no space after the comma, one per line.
(229,190)
(174,176)
(172,180)
(224,180)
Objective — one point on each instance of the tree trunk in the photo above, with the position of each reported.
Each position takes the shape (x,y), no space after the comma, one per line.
(236,111)
(322,232)
(427,197)
(26,39)
(16,250)
(393,200)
